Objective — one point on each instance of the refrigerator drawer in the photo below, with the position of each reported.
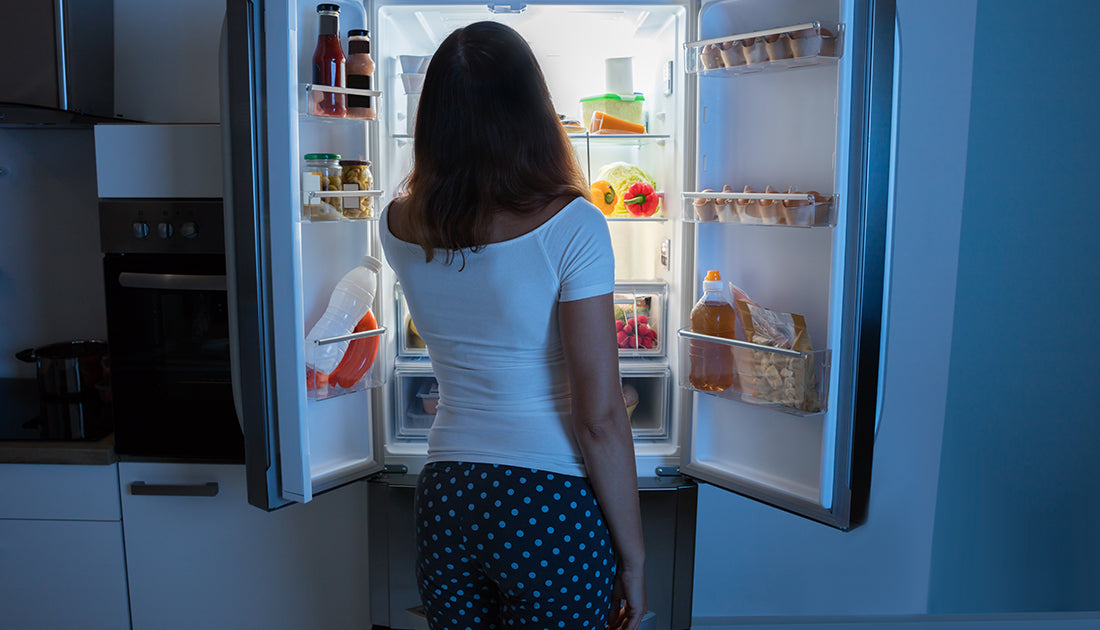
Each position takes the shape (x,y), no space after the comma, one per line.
(785,380)
(416,396)
(409,343)
(646,392)
(640,319)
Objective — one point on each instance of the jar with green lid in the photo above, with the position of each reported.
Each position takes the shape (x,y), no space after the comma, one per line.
(321,172)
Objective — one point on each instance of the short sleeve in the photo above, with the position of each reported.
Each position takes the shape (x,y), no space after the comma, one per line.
(587,260)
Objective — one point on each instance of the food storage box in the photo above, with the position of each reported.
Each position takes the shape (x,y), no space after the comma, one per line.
(625,106)
(785,380)
(640,319)
(409,343)
(647,397)
(416,400)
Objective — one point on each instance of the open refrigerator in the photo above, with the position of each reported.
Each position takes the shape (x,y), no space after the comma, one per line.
(811,118)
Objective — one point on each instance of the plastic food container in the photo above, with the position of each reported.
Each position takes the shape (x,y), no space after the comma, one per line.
(639,319)
(625,106)
(428,395)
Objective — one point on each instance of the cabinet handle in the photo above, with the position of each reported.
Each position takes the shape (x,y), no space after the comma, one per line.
(208,489)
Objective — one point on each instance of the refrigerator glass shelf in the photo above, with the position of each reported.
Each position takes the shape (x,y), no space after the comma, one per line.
(808,212)
(619,138)
(375,376)
(808,44)
(788,381)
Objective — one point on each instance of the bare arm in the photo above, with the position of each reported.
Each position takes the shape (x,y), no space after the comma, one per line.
(602,429)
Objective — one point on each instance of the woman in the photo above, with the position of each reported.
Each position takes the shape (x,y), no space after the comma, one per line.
(527,510)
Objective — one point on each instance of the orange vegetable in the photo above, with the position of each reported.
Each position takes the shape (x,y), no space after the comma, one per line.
(359,356)
(605,123)
(603,196)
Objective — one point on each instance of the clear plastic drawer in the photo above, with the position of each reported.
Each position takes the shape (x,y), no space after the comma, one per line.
(640,319)
(409,343)
(416,398)
(646,394)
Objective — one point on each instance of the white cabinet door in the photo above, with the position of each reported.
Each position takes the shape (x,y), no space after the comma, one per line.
(199,556)
(61,560)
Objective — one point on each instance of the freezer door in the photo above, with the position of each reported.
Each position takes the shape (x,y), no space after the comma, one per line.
(297,444)
(791,428)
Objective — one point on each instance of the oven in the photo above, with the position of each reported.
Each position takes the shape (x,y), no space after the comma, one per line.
(168,329)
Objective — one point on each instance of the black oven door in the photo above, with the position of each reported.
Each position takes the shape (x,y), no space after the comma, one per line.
(168,327)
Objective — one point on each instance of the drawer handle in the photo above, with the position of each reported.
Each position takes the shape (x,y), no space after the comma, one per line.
(208,489)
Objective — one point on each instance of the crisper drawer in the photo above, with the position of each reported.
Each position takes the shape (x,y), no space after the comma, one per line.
(640,319)
(646,385)
(409,343)
(416,396)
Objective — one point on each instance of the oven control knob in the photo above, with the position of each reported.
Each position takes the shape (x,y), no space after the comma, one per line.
(140,229)
(164,230)
(189,229)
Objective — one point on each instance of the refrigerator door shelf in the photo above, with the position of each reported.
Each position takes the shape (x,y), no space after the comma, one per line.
(310,92)
(365,365)
(324,206)
(808,44)
(789,381)
(787,209)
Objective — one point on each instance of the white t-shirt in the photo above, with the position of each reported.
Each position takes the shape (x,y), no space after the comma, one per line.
(492,335)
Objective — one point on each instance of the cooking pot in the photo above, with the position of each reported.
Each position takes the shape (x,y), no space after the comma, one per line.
(73,387)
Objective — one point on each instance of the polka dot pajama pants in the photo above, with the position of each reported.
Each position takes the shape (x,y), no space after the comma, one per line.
(506,547)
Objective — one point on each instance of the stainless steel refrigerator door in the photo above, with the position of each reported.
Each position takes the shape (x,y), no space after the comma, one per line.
(814,461)
(295,447)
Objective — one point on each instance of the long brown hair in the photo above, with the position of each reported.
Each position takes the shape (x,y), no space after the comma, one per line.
(487,139)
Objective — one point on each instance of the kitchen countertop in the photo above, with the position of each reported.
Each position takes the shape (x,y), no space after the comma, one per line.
(19,410)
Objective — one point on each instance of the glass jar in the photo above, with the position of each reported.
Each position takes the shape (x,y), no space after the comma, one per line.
(356,176)
(329,64)
(360,67)
(321,172)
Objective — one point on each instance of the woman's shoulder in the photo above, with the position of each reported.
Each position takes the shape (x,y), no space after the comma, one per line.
(394,220)
(578,216)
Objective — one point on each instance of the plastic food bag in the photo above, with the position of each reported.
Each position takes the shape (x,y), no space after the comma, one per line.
(779,378)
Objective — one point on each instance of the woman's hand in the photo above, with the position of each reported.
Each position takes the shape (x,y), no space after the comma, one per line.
(628,602)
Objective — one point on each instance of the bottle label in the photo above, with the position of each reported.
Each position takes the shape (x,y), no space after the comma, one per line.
(359,82)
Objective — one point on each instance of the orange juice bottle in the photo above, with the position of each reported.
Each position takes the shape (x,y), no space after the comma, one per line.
(712,363)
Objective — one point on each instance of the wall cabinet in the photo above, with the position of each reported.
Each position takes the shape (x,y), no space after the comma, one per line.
(61,550)
(199,556)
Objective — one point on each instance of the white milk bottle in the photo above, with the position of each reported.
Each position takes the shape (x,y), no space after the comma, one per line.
(348,304)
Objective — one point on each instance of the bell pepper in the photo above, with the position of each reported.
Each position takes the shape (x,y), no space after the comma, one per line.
(603,196)
(641,200)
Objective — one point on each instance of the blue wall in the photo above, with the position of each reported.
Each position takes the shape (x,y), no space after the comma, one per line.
(1018,512)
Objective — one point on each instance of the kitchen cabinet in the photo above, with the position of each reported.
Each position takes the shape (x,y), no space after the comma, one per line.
(61,550)
(199,556)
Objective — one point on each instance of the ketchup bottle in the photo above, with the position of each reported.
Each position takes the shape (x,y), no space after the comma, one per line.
(329,64)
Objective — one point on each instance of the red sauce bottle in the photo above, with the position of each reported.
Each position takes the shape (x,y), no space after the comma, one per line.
(329,64)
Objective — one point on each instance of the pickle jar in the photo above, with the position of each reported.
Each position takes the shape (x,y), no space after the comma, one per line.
(356,176)
(320,173)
